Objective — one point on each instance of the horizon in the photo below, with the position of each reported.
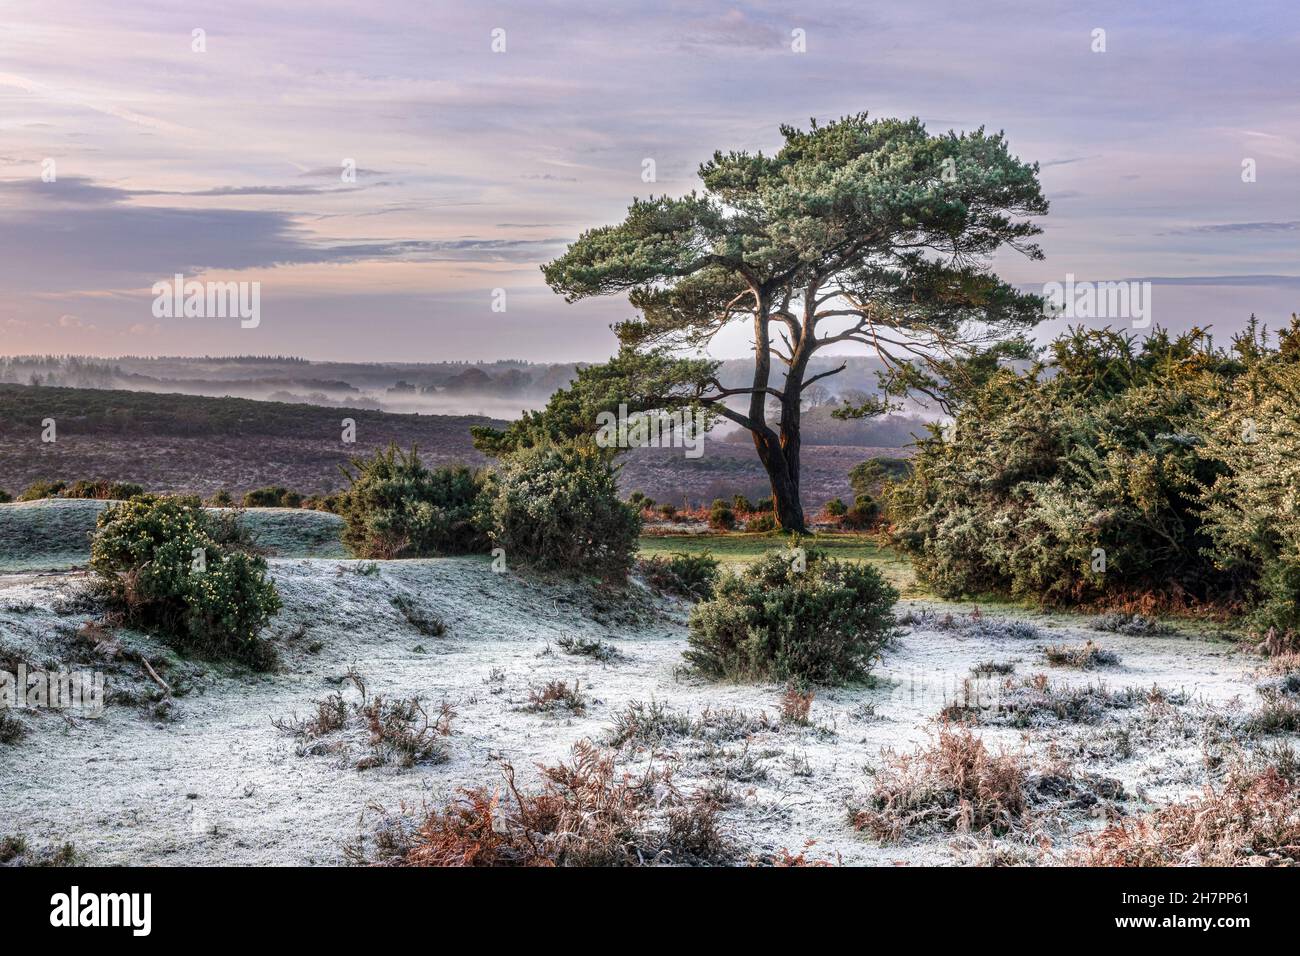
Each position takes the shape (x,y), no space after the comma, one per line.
(473,167)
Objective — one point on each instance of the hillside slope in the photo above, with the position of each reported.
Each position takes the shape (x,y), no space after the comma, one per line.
(186,443)
(54,534)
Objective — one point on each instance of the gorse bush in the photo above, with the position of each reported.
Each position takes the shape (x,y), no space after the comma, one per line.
(273,497)
(169,567)
(556,508)
(82,488)
(686,575)
(1251,511)
(1041,476)
(1115,472)
(398,508)
(816,621)
(721,517)
(864,513)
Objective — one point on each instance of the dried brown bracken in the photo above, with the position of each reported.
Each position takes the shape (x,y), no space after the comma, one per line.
(586,813)
(1253,819)
(955,784)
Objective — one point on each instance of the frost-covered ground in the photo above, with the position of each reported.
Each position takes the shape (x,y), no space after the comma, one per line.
(205,777)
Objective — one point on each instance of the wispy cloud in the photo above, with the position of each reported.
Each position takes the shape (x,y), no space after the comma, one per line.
(1236,228)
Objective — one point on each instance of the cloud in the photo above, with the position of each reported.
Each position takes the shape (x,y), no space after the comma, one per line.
(88,101)
(103,240)
(736,29)
(80,189)
(76,190)
(1231,228)
(334,172)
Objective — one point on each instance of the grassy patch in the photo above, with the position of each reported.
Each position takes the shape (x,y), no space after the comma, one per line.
(738,549)
(556,696)
(654,724)
(397,732)
(586,647)
(1087,656)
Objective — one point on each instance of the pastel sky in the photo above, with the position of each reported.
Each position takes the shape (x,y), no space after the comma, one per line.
(474,166)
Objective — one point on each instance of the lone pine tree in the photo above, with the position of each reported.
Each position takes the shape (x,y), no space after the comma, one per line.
(868,232)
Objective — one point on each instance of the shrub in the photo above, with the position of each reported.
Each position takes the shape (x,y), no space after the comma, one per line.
(864,513)
(686,575)
(557,508)
(741,505)
(38,490)
(102,490)
(221,499)
(99,489)
(426,622)
(398,508)
(588,647)
(1039,471)
(160,560)
(12,729)
(5,497)
(653,724)
(796,704)
(82,488)
(1034,700)
(329,503)
(836,508)
(762,523)
(668,510)
(721,517)
(869,477)
(1133,625)
(265,497)
(826,623)
(1251,512)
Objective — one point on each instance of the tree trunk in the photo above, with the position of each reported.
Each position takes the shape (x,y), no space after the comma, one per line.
(784,481)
